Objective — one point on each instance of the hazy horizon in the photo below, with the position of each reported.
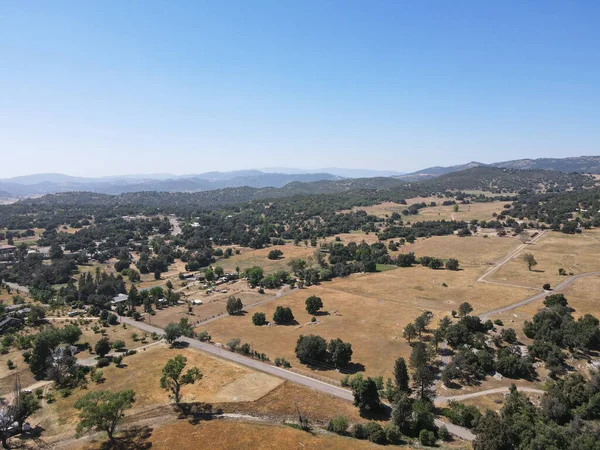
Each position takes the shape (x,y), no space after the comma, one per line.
(113,88)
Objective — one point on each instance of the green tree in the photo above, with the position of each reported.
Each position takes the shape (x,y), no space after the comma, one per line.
(529,260)
(283,315)
(37,314)
(70,334)
(464,309)
(102,347)
(423,373)
(26,405)
(56,252)
(275,254)
(340,352)
(401,375)
(234,305)
(310,349)
(172,332)
(259,319)
(219,271)
(313,304)
(255,275)
(492,433)
(173,377)
(452,264)
(103,410)
(43,346)
(410,332)
(366,395)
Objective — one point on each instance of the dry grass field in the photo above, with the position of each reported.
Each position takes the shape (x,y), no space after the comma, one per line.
(576,253)
(368,310)
(479,211)
(237,435)
(142,372)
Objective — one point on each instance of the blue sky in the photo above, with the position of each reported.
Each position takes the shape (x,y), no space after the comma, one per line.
(112,87)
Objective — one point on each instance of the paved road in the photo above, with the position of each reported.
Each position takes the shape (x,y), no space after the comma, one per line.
(559,287)
(294,377)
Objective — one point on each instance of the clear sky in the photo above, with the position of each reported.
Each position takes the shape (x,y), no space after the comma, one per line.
(113,87)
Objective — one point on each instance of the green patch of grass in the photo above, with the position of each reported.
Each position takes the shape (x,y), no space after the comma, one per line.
(385,267)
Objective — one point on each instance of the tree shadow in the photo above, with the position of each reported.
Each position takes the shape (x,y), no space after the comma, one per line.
(537,270)
(383,413)
(321,313)
(196,412)
(180,344)
(133,438)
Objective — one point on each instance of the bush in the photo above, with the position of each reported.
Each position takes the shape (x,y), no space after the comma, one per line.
(118,360)
(546,287)
(39,393)
(259,319)
(444,434)
(427,438)
(204,336)
(498,322)
(233,343)
(462,415)
(10,364)
(103,362)
(131,352)
(375,433)
(275,254)
(452,264)
(392,433)
(338,424)
(358,431)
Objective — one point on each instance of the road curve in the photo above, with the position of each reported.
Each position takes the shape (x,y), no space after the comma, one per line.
(559,287)
(317,385)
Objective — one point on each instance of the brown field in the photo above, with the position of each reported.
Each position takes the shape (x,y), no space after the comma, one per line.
(576,253)
(249,258)
(142,373)
(234,435)
(368,310)
(470,251)
(479,211)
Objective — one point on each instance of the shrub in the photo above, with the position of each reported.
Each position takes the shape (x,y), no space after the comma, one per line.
(392,433)
(39,393)
(10,364)
(275,254)
(233,343)
(259,319)
(131,352)
(498,322)
(102,362)
(427,438)
(452,264)
(204,336)
(375,433)
(546,286)
(338,424)
(358,431)
(444,434)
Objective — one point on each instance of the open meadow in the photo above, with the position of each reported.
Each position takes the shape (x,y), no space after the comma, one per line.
(576,253)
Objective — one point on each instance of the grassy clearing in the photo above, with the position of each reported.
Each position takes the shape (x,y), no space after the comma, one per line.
(479,211)
(367,310)
(576,253)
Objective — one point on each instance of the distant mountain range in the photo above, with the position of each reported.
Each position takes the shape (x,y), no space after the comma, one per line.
(50,183)
(580,164)
(40,184)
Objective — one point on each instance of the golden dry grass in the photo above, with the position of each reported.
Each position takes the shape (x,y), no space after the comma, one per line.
(239,435)
(479,211)
(142,373)
(576,253)
(367,310)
